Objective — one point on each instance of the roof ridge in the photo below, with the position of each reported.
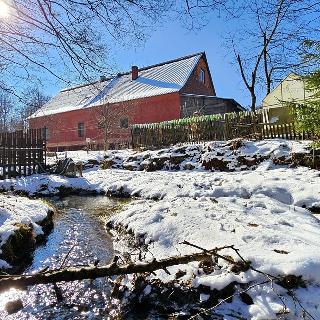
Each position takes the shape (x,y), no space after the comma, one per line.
(167,62)
(128,72)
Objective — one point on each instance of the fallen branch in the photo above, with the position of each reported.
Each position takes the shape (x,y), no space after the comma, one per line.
(93,272)
(230,260)
(270,279)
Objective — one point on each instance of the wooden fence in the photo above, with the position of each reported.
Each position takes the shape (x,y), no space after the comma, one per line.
(21,153)
(212,128)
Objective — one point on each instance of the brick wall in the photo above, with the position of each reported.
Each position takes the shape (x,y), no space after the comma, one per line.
(63,127)
(195,86)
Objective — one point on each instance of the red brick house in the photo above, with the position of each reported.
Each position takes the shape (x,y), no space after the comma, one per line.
(166,91)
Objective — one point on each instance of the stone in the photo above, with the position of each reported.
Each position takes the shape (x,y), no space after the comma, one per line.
(13,306)
(107,163)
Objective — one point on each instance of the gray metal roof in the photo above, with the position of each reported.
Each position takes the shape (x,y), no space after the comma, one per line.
(154,80)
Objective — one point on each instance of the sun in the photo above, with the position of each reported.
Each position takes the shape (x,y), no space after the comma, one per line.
(4,9)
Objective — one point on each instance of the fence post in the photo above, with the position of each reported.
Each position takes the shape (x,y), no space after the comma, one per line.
(21,152)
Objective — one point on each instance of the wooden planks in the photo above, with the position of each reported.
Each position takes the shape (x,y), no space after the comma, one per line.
(206,128)
(21,153)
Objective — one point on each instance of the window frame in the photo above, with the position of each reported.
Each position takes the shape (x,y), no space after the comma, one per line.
(81,130)
(202,76)
(45,133)
(122,121)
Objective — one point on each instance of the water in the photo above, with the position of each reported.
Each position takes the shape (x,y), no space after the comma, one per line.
(79,229)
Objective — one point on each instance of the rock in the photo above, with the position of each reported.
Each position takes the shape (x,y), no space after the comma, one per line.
(207,265)
(107,163)
(132,158)
(216,164)
(155,164)
(67,167)
(283,160)
(88,166)
(291,282)
(119,193)
(177,159)
(19,246)
(251,161)
(181,150)
(188,166)
(246,298)
(180,274)
(93,162)
(314,209)
(47,225)
(240,266)
(14,306)
(65,190)
(166,298)
(129,167)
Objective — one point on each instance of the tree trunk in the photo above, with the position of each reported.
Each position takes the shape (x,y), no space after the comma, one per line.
(253,101)
(93,272)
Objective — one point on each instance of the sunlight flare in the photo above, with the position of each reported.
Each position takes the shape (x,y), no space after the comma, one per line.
(4,9)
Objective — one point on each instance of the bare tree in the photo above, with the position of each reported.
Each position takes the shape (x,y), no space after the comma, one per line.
(64,36)
(114,119)
(266,44)
(6,107)
(34,99)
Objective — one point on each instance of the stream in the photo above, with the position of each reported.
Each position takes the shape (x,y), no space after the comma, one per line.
(80,235)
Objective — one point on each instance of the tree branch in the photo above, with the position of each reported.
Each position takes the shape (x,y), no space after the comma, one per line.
(73,274)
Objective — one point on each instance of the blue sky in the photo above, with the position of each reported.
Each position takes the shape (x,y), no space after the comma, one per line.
(172,41)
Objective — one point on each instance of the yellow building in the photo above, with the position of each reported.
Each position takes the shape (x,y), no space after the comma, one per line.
(290,89)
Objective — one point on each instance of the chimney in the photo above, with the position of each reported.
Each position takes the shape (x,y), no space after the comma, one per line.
(134,72)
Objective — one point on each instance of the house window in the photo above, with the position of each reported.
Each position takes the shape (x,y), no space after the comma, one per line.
(81,129)
(124,123)
(45,133)
(201,75)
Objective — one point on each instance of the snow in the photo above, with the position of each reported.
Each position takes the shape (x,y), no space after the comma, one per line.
(261,210)
(76,156)
(154,80)
(193,154)
(16,210)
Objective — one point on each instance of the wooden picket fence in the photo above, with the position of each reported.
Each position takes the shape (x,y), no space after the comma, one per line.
(212,128)
(22,153)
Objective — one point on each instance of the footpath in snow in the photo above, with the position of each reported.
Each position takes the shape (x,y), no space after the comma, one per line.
(252,195)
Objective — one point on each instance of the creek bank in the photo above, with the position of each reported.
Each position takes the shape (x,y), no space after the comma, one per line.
(79,238)
(186,295)
(24,224)
(262,213)
(145,298)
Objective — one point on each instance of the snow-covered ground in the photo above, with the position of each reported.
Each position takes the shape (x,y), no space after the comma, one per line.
(260,213)
(16,211)
(233,155)
(80,155)
(261,210)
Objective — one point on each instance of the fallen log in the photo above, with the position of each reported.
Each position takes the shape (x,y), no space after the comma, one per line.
(92,272)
